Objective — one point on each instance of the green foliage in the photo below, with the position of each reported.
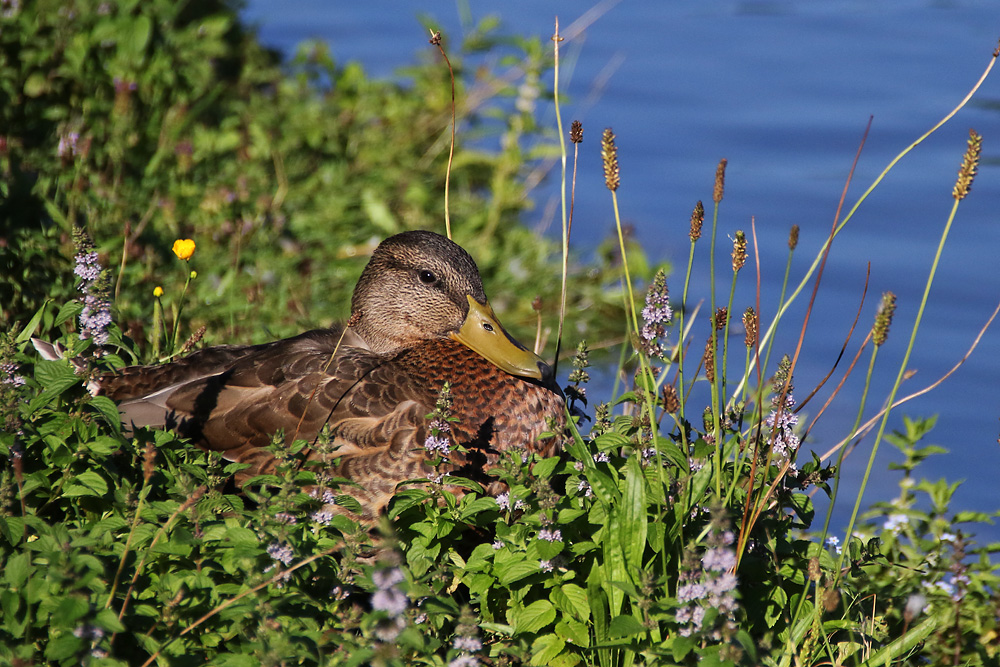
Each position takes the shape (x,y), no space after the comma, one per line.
(676,531)
(144,122)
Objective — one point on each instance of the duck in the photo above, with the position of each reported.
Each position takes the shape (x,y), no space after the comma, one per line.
(420,320)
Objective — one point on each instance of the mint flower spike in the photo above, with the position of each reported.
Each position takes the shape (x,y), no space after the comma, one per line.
(655,316)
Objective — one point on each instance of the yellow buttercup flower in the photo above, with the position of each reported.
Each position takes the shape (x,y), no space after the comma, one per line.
(184,248)
(157,291)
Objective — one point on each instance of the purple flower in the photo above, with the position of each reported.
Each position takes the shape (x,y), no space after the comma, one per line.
(280,553)
(584,488)
(503,500)
(690,591)
(95,318)
(464,660)
(9,375)
(88,269)
(387,596)
(465,643)
(68,144)
(896,522)
(389,629)
(719,559)
(601,457)
(545,565)
(655,315)
(437,444)
(327,497)
(550,535)
(322,516)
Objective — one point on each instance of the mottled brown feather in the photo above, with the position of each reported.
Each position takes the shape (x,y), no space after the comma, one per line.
(235,399)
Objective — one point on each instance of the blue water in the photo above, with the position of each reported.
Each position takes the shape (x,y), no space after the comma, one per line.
(783,90)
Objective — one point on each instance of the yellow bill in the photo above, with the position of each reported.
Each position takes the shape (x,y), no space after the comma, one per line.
(483,334)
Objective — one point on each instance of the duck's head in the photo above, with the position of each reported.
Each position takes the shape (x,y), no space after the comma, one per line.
(419,286)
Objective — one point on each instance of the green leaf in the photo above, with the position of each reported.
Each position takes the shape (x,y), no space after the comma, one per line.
(545,648)
(12,528)
(534,617)
(64,646)
(87,483)
(108,410)
(135,38)
(55,377)
(70,610)
(515,571)
(625,625)
(572,599)
(633,519)
(15,570)
(544,468)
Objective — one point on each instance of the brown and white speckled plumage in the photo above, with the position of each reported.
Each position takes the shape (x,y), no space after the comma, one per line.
(374,388)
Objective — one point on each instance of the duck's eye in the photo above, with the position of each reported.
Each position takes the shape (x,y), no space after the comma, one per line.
(427,277)
(488,326)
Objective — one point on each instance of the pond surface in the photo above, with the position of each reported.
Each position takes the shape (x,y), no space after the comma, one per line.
(783,90)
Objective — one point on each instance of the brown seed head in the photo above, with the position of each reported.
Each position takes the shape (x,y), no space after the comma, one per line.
(739,251)
(970,162)
(720,180)
(536,304)
(710,359)
(697,220)
(436,38)
(195,338)
(750,326)
(721,318)
(814,570)
(576,132)
(671,401)
(148,461)
(609,155)
(883,318)
(793,237)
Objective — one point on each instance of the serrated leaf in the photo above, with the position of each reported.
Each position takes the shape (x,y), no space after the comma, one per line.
(546,648)
(624,626)
(515,571)
(534,617)
(15,570)
(55,377)
(544,468)
(572,599)
(108,410)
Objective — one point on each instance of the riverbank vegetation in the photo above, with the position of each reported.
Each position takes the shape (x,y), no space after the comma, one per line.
(169,183)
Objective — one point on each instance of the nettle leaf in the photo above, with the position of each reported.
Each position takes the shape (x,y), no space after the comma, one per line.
(625,625)
(545,648)
(572,599)
(70,610)
(55,377)
(15,570)
(86,483)
(545,467)
(108,410)
(574,631)
(64,646)
(12,527)
(475,506)
(534,617)
(510,572)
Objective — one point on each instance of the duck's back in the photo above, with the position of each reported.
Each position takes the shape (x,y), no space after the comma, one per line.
(234,400)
